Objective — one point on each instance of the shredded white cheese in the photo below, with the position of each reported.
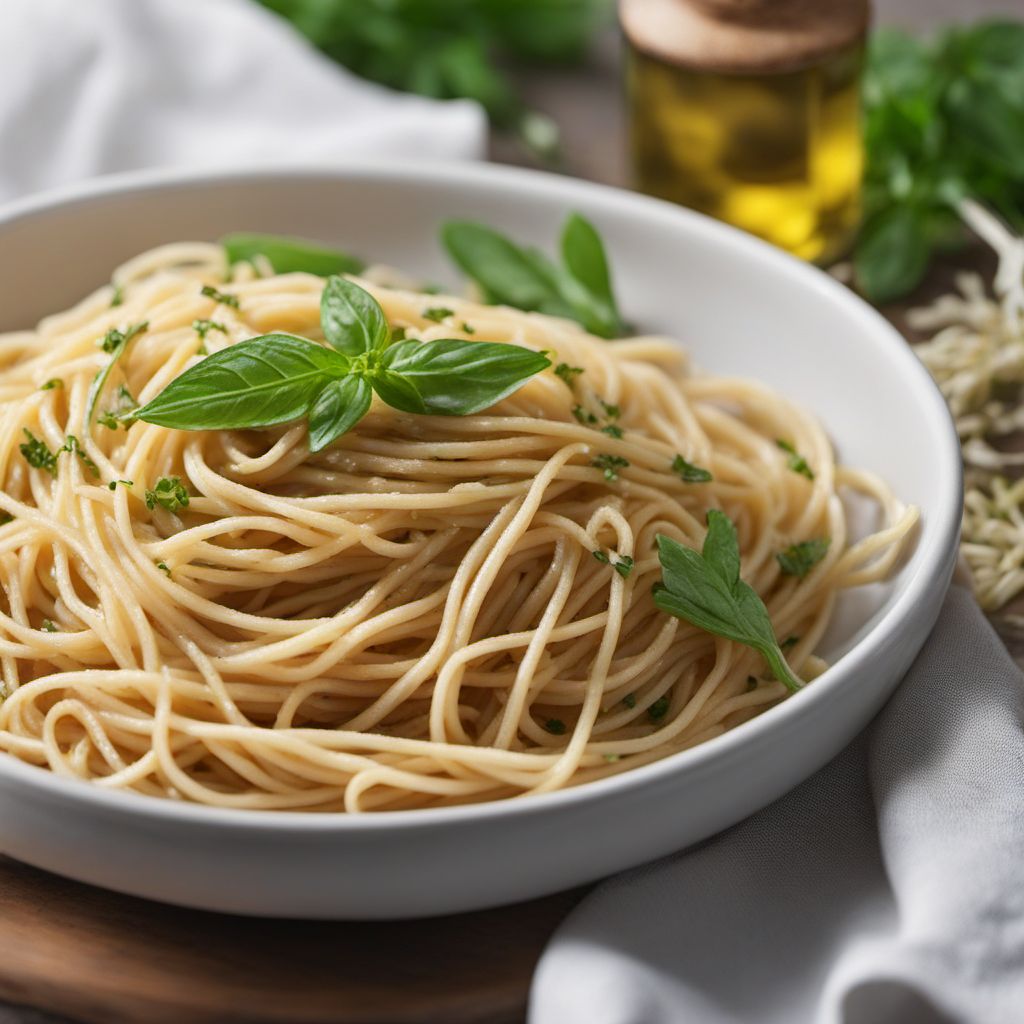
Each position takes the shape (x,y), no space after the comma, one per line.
(977,358)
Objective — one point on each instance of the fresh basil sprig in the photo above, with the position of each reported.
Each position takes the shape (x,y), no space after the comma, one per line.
(277,378)
(944,121)
(580,289)
(705,589)
(288,255)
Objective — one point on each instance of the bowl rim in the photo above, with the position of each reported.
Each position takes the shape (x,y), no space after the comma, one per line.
(933,556)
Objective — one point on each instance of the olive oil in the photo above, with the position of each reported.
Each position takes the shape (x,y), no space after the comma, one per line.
(774,150)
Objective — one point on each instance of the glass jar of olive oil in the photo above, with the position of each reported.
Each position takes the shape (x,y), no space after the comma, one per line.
(749,110)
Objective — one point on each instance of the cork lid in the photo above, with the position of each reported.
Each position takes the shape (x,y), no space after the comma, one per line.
(743,35)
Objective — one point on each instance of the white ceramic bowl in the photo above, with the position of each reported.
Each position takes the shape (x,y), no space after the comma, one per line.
(741,307)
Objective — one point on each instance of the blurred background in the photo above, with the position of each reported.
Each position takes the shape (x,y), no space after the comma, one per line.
(747,110)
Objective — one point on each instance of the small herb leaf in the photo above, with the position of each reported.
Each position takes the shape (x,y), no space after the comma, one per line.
(71,445)
(585,259)
(504,271)
(610,465)
(203,328)
(623,564)
(222,298)
(337,409)
(799,559)
(568,373)
(169,493)
(438,313)
(796,462)
(457,378)
(290,255)
(37,453)
(892,253)
(690,473)
(258,383)
(352,319)
(658,709)
(580,289)
(705,589)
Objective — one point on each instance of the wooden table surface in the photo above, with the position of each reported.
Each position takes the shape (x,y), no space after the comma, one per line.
(71,952)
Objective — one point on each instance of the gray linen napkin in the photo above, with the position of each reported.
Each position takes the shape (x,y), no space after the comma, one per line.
(887,889)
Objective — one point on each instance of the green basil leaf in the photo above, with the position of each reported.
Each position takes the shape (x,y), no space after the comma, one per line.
(892,253)
(527,279)
(456,378)
(352,319)
(705,590)
(288,255)
(504,271)
(337,409)
(398,392)
(990,123)
(584,257)
(568,297)
(258,383)
(721,547)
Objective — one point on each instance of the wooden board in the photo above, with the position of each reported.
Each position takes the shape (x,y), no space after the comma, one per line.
(103,958)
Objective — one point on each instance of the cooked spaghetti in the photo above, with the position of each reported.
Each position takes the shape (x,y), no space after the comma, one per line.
(414,616)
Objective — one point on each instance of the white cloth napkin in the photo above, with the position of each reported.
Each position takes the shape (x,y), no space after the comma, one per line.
(887,889)
(96,86)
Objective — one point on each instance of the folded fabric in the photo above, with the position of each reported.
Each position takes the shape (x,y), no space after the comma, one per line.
(93,87)
(887,889)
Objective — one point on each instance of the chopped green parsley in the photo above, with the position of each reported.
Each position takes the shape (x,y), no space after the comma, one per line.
(223,298)
(568,373)
(438,313)
(690,473)
(169,493)
(798,559)
(796,461)
(610,465)
(658,709)
(623,564)
(203,328)
(37,454)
